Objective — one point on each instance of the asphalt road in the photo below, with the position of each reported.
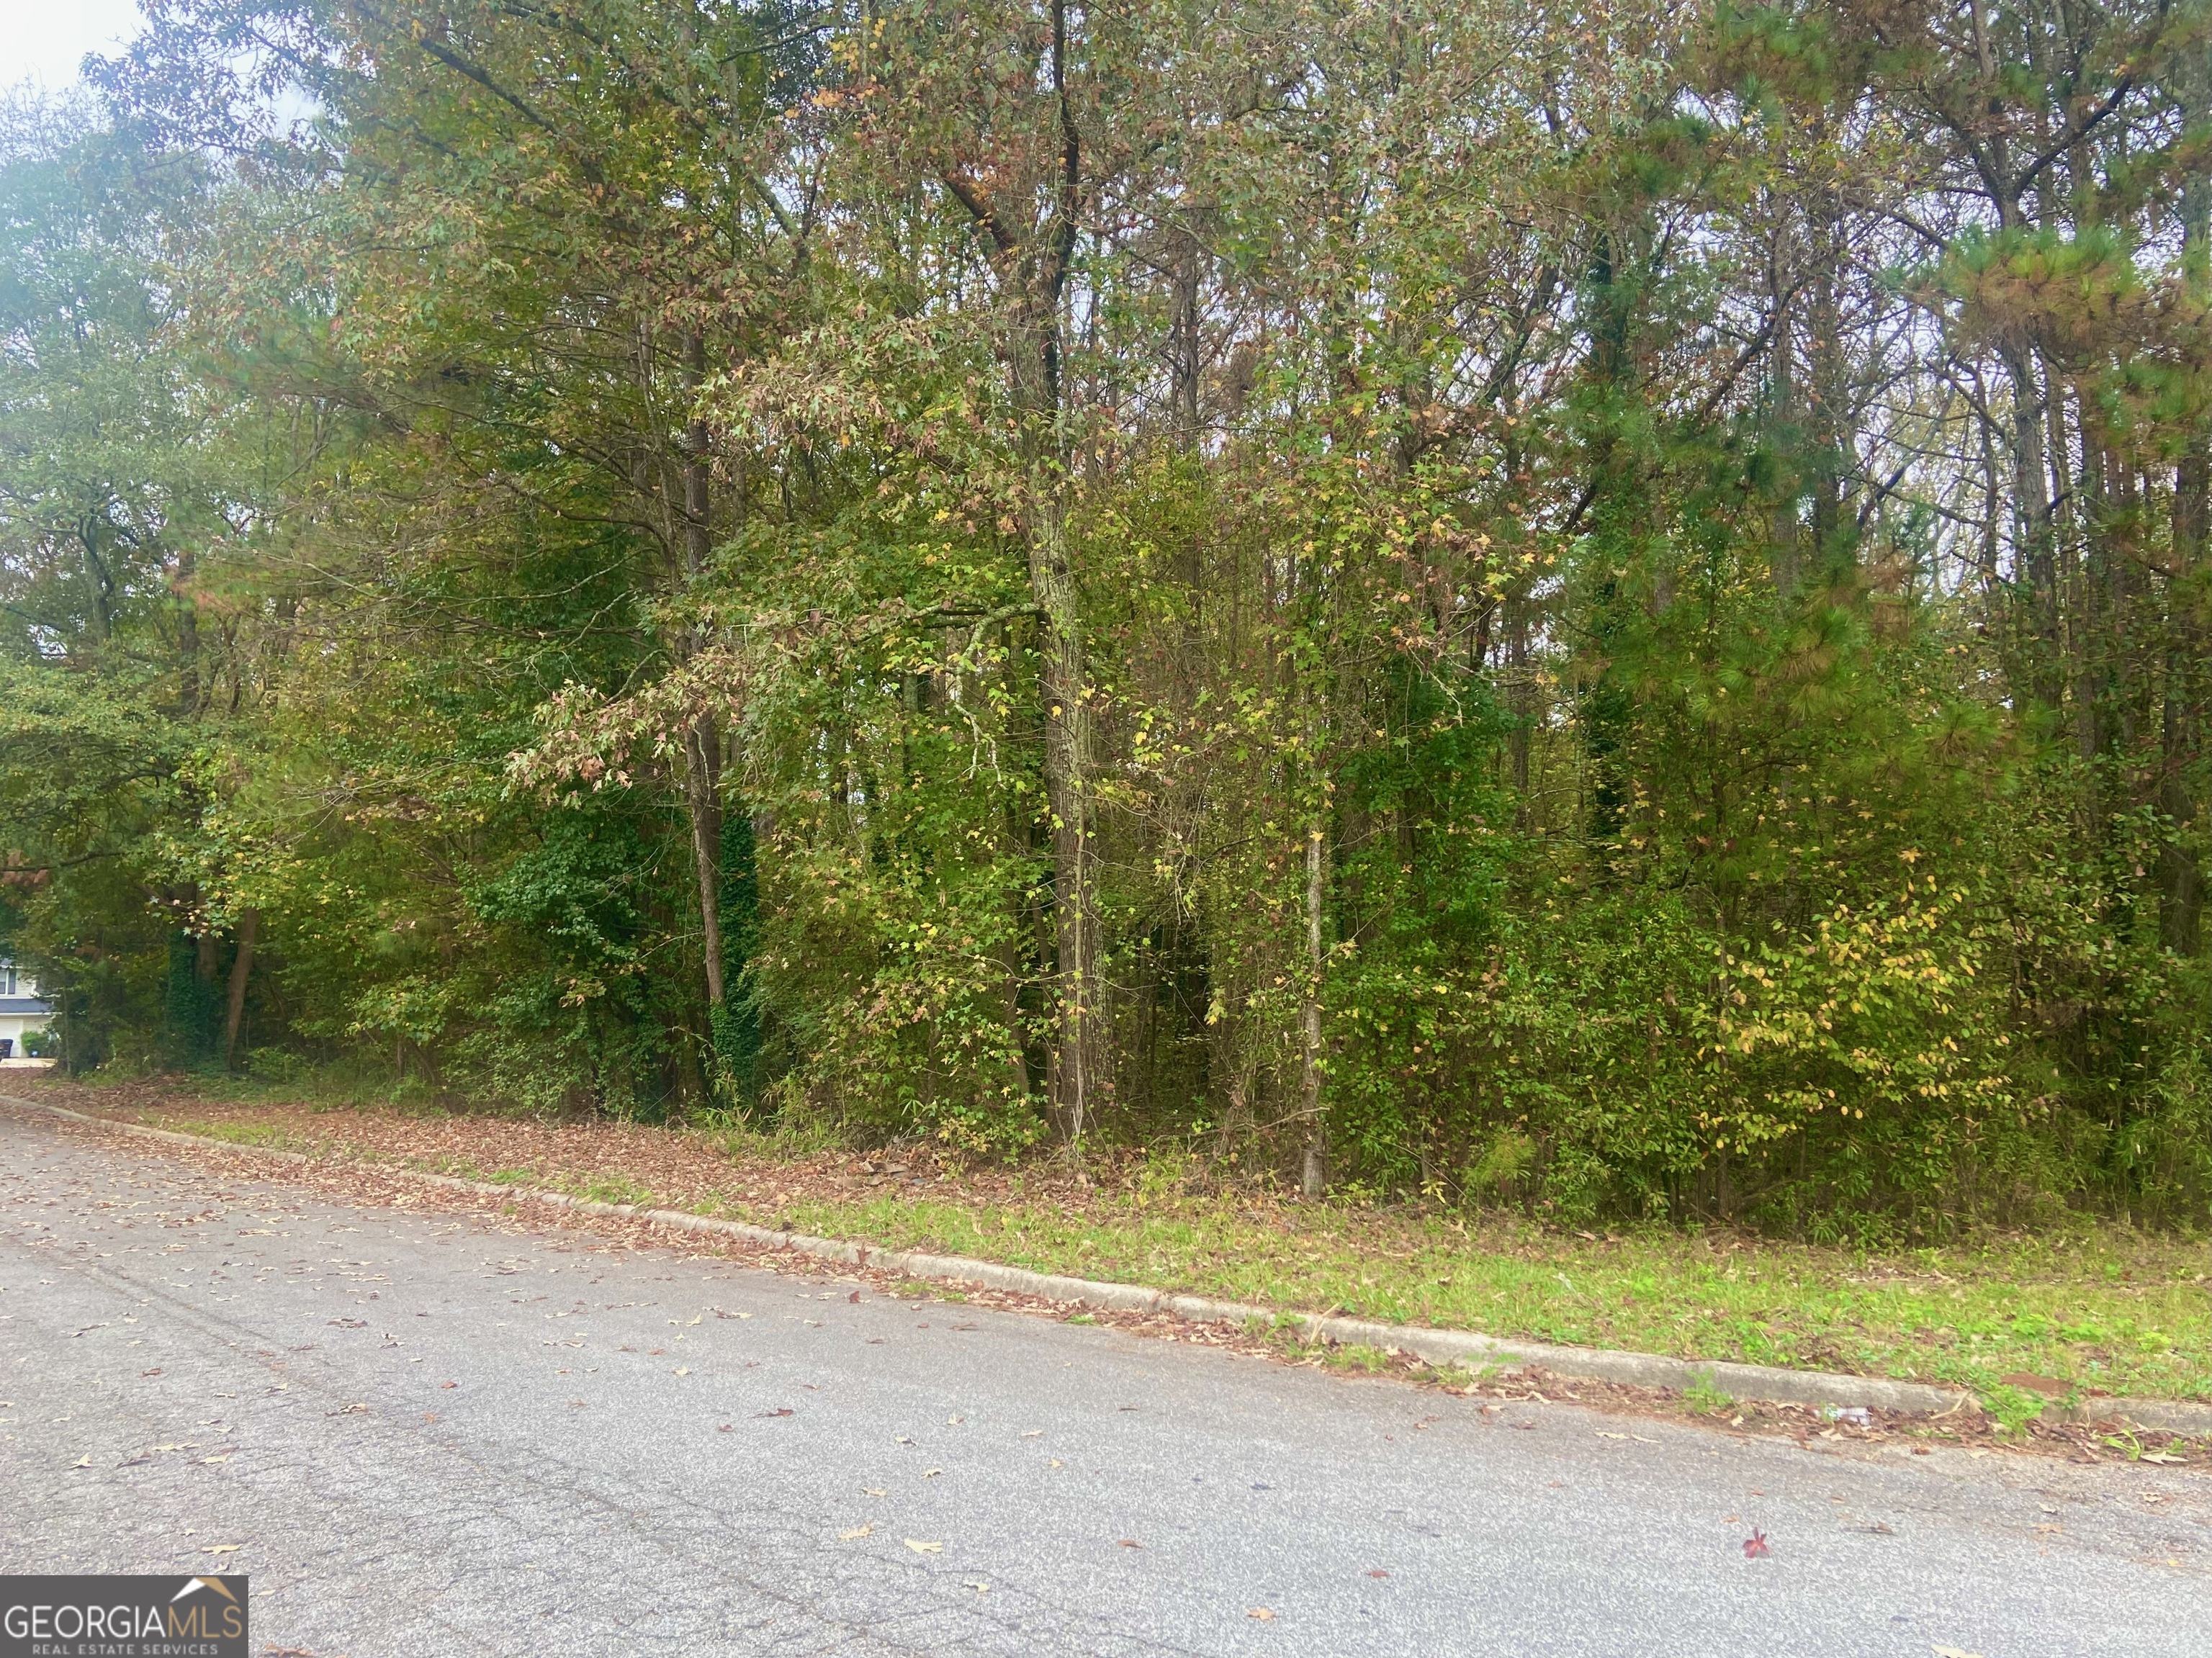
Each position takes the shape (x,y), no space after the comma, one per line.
(431,1435)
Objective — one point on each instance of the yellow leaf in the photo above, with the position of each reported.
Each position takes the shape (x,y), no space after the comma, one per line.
(857,1531)
(925,1548)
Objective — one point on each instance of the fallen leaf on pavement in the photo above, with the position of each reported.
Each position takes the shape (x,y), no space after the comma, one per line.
(1034,1433)
(857,1531)
(874,1491)
(1378,1572)
(2160,1456)
(1057,1463)
(2051,1528)
(1130,1543)
(225,1457)
(727,1427)
(430,1416)
(1953,1652)
(925,1548)
(854,1297)
(785,1410)
(930,1473)
(1262,1614)
(82,1462)
(1754,1546)
(683,1369)
(223,1548)
(449,1384)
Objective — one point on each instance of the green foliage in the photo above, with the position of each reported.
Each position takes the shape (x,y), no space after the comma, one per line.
(1413,597)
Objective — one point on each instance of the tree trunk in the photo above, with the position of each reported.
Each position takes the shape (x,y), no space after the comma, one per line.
(1783,413)
(702,797)
(1067,766)
(1313,1178)
(2180,880)
(2035,547)
(241,969)
(188,637)
(702,742)
(1034,261)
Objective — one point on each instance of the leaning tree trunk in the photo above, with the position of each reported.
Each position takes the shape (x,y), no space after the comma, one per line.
(241,969)
(702,801)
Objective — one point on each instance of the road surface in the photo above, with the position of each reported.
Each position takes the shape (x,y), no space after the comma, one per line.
(433,1435)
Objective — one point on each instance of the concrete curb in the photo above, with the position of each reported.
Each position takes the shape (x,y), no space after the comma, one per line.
(1764,1382)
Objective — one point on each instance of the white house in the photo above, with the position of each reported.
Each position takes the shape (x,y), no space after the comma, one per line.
(22,1012)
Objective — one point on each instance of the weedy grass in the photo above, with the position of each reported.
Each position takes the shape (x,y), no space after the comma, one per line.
(2102,1307)
(269,1135)
(2097,1306)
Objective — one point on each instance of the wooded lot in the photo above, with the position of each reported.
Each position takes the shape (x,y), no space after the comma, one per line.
(1599,606)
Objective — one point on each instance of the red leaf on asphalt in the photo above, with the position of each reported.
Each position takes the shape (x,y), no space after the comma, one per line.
(783,1411)
(854,1297)
(1754,1546)
(1131,1543)
(727,1427)
(1378,1572)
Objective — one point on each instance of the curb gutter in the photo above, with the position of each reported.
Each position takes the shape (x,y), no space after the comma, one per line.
(1764,1382)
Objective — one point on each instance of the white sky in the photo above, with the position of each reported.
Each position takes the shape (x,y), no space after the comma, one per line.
(44,39)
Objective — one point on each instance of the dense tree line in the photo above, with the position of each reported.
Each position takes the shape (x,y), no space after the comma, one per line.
(1601,606)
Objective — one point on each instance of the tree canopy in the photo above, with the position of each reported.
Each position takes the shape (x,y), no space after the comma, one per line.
(1600,606)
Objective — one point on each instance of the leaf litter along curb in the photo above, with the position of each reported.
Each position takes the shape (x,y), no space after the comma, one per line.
(375,1169)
